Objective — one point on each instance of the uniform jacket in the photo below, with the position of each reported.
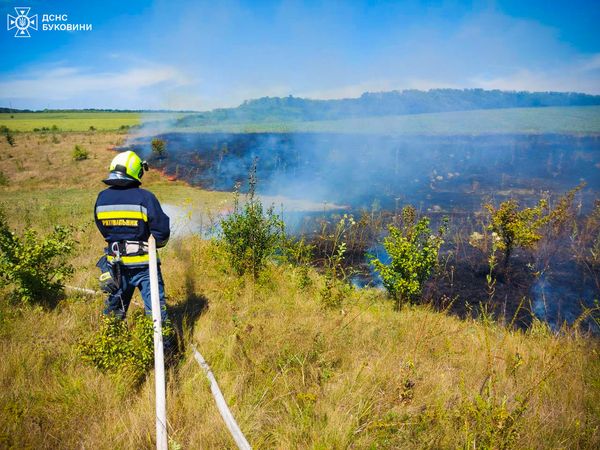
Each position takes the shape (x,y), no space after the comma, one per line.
(131,214)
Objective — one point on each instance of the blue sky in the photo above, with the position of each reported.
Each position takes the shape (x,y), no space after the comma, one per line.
(201,55)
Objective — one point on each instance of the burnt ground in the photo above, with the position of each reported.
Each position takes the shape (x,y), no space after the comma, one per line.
(441,176)
(556,281)
(518,294)
(450,173)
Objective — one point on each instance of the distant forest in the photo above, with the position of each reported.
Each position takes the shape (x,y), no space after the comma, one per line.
(277,109)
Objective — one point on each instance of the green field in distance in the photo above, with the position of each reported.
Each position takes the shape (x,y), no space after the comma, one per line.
(569,119)
(78,121)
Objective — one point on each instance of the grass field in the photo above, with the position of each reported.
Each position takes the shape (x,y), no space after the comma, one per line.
(77,121)
(295,374)
(576,119)
(518,120)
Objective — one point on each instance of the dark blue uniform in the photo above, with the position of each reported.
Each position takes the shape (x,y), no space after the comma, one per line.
(131,214)
(126,216)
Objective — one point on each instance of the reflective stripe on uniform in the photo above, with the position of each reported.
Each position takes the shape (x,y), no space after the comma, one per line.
(128,260)
(122,215)
(105,208)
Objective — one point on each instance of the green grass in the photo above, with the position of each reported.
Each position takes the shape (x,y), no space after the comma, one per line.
(295,374)
(571,119)
(77,121)
(577,119)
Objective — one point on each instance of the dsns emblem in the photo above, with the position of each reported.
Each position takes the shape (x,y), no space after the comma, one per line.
(22,22)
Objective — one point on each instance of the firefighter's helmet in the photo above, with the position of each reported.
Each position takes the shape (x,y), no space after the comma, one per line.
(126,168)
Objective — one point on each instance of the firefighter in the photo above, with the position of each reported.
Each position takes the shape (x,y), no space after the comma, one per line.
(126,215)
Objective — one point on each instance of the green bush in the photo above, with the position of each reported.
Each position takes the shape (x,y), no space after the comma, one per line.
(515,227)
(35,266)
(250,234)
(8,135)
(80,153)
(413,252)
(3,179)
(159,147)
(123,348)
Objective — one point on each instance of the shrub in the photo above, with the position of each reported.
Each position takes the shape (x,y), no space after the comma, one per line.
(516,227)
(512,227)
(92,128)
(8,135)
(413,253)
(159,148)
(36,266)
(80,153)
(250,234)
(3,179)
(122,349)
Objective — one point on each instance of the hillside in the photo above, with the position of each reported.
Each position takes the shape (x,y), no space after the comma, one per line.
(295,373)
(294,109)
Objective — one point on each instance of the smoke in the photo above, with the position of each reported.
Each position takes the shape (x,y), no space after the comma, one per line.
(311,175)
(451,174)
(560,298)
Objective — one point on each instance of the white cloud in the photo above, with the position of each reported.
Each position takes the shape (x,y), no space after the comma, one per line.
(64,83)
(568,79)
(590,63)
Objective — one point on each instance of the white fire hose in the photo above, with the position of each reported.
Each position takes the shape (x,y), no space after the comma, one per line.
(228,418)
(159,368)
(159,357)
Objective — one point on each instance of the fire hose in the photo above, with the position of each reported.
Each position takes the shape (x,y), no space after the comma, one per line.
(228,418)
(232,426)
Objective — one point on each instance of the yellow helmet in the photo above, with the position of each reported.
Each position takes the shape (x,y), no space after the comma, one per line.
(126,168)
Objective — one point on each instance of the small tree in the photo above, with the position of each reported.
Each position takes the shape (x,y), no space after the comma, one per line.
(35,266)
(517,227)
(250,234)
(159,148)
(413,254)
(80,153)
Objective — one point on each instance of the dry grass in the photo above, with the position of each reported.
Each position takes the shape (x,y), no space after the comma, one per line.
(295,374)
